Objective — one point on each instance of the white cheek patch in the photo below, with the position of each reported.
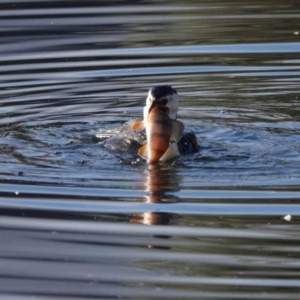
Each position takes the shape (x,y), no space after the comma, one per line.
(149,99)
(147,106)
(173,103)
(146,112)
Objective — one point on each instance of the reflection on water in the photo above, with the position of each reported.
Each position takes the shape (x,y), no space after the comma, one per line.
(160,184)
(80,221)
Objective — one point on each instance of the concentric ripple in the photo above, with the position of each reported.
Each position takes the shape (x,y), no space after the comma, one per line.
(79,220)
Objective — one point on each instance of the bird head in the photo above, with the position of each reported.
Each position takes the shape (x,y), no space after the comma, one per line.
(162,95)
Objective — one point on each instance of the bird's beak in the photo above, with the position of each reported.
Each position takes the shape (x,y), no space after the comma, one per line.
(156,102)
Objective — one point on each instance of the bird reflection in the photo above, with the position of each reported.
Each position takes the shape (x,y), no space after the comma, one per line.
(160,182)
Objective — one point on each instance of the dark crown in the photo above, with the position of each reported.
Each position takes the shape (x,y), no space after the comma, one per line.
(161,91)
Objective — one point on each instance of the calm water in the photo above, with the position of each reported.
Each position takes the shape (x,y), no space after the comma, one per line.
(79,221)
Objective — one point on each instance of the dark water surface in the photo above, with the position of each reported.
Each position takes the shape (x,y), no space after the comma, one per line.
(81,222)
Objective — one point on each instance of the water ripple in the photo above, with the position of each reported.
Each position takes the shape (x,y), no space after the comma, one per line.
(79,220)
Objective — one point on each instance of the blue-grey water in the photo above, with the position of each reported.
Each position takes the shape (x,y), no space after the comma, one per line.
(79,221)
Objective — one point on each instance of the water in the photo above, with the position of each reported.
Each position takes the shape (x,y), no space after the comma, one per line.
(79,221)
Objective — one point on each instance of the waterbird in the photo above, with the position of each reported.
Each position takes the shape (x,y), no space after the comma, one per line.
(163,131)
(159,126)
